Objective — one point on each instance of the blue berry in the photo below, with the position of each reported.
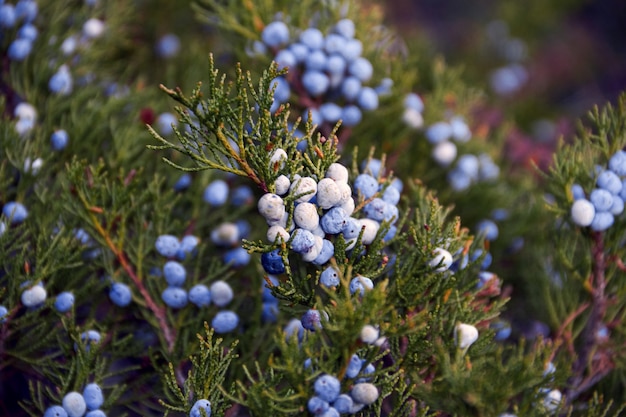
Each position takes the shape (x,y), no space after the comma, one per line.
(351,116)
(459,180)
(302,241)
(242,196)
(609,181)
(334,220)
(74,404)
(167,245)
(488,229)
(327,387)
(55,411)
(334,43)
(618,205)
(3,313)
(174,273)
(366,184)
(64,302)
(331,412)
(343,404)
(602,221)
(351,229)
(330,112)
(96,413)
(7,16)
(327,252)
(375,209)
(360,284)
(237,258)
(201,405)
(413,101)
(216,193)
(174,297)
(367,99)
(438,132)
(275,34)
(601,199)
(311,320)
(272,262)
(361,68)
(316,61)
(269,312)
(90,337)
(315,82)
(28,31)
(352,49)
(282,91)
(294,327)
(316,405)
(354,366)
(221,293)
(61,82)
(15,212)
(364,393)
(336,65)
(503,330)
(350,88)
(26,10)
(188,245)
(183,182)
(59,140)
(225,321)
(391,195)
(313,38)
(617,163)
(200,295)
(346,28)
(267,291)
(168,46)
(93,396)
(120,294)
(285,59)
(300,51)
(165,123)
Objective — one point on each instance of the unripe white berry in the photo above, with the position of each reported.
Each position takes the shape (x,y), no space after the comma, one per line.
(364,393)
(369,334)
(225,234)
(93,28)
(465,335)
(274,231)
(282,184)
(583,212)
(305,216)
(370,229)
(348,206)
(272,207)
(318,231)
(337,172)
(221,293)
(444,153)
(328,193)
(441,256)
(412,118)
(314,252)
(305,187)
(74,404)
(552,400)
(278,158)
(34,296)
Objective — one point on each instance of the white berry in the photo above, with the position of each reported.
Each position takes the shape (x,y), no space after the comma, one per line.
(328,193)
(305,187)
(272,207)
(337,172)
(278,158)
(282,184)
(305,216)
(465,335)
(442,257)
(274,231)
(444,153)
(583,212)
(369,334)
(34,296)
(370,229)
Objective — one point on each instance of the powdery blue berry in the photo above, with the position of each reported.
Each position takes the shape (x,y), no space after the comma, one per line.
(237,257)
(90,337)
(242,196)
(26,10)
(275,34)
(364,393)
(617,163)
(316,405)
(488,229)
(61,82)
(55,411)
(438,132)
(188,245)
(345,27)
(7,16)
(201,405)
(602,221)
(351,116)
(608,180)
(315,82)
(64,302)
(200,295)
(330,112)
(221,293)
(311,320)
(269,312)
(327,387)
(167,245)
(302,240)
(272,262)
(366,184)
(601,199)
(74,404)
(313,38)
(334,220)
(354,366)
(168,46)
(331,412)
(391,195)
(165,123)
(120,294)
(225,321)
(15,212)
(93,396)
(59,140)
(327,252)
(95,413)
(360,284)
(361,68)
(3,313)
(343,404)
(618,205)
(225,234)
(216,193)
(174,273)
(174,297)
(294,327)
(367,99)
(577,191)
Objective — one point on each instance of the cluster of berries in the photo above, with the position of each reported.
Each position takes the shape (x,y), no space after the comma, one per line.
(510,77)
(413,109)
(606,201)
(323,210)
(469,168)
(327,73)
(328,400)
(76,404)
(24,11)
(175,274)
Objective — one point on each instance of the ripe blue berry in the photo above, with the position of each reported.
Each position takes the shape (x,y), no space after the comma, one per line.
(165,123)
(174,273)
(316,405)
(74,404)
(601,199)
(187,247)
(201,405)
(216,193)
(183,182)
(361,68)
(327,387)
(354,366)
(294,327)
(343,404)
(237,258)
(61,82)
(221,293)
(64,302)
(350,88)
(93,396)
(334,220)
(26,10)
(168,46)
(55,411)
(617,163)
(275,34)
(120,294)
(167,245)
(174,297)
(330,112)
(366,184)
(618,205)
(225,321)
(200,295)
(315,82)
(3,313)
(311,320)
(269,312)
(313,38)
(95,413)
(90,337)
(360,284)
(242,196)
(7,16)
(488,229)
(15,212)
(609,181)
(59,140)
(345,27)
(302,240)
(272,262)
(602,221)
(327,252)
(367,99)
